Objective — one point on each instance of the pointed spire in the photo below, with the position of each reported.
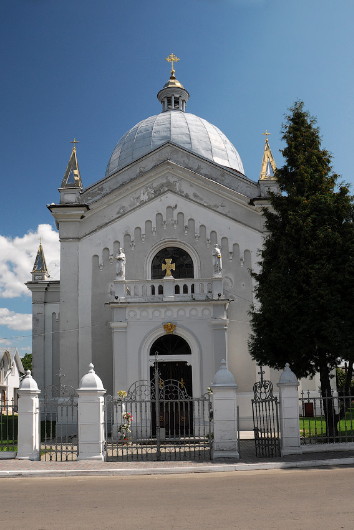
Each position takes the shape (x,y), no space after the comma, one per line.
(40,271)
(268,162)
(72,177)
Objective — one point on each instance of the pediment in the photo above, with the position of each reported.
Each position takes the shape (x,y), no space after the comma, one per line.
(155,194)
(155,161)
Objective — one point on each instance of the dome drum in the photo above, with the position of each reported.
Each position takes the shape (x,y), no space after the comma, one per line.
(173,98)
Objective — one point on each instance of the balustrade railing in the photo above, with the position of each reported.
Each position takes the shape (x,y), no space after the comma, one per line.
(171,289)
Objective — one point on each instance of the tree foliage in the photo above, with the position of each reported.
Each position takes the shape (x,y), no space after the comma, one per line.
(27,361)
(305,285)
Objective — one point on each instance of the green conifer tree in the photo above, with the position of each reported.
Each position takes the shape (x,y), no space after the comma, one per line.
(305,285)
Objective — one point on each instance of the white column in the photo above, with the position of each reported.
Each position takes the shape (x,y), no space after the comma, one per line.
(289,412)
(120,364)
(225,443)
(219,333)
(28,419)
(91,417)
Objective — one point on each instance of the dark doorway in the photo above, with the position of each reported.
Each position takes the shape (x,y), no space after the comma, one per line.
(175,398)
(175,387)
(179,372)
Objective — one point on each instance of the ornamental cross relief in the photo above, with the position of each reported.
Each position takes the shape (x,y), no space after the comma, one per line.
(168,267)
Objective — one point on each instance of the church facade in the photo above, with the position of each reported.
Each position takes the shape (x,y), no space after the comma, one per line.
(155,260)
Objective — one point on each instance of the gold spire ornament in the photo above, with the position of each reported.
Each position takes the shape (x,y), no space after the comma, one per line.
(72,178)
(168,267)
(268,163)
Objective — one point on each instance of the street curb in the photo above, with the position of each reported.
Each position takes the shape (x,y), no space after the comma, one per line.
(217,468)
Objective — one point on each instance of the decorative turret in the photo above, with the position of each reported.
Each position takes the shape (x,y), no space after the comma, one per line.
(268,162)
(40,271)
(173,96)
(71,185)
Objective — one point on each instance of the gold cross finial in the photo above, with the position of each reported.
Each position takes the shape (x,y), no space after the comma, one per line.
(74,141)
(168,267)
(172,58)
(266,134)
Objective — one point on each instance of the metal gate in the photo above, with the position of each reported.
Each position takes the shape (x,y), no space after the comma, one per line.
(157,420)
(59,424)
(265,409)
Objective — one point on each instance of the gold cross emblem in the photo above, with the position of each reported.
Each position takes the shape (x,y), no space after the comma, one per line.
(168,267)
(172,58)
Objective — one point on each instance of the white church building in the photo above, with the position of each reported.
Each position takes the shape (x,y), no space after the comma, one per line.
(155,260)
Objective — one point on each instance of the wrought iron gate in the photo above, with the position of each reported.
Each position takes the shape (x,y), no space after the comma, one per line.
(59,423)
(157,420)
(265,409)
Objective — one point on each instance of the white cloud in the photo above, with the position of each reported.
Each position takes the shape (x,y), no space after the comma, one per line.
(17,257)
(17,321)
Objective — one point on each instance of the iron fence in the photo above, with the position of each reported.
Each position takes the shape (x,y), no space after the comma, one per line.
(8,425)
(162,425)
(265,410)
(328,419)
(59,424)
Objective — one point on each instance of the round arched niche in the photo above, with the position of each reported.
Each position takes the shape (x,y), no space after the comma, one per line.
(184,267)
(172,243)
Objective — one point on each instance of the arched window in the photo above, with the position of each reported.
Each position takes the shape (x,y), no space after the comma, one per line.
(181,259)
(170,345)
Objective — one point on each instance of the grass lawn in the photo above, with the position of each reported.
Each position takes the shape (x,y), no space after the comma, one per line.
(317,427)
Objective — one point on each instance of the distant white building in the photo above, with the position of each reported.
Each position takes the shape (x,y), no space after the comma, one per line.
(155,260)
(11,370)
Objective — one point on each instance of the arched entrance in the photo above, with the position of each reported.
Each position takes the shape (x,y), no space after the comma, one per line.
(174,382)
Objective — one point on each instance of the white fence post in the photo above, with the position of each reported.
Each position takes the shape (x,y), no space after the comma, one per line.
(91,417)
(28,419)
(225,444)
(289,412)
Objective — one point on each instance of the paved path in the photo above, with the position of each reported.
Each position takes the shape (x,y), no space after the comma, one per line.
(291,499)
(22,468)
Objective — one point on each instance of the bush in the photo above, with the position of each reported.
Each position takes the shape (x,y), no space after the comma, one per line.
(8,427)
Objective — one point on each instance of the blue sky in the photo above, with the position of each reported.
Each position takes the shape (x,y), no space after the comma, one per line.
(91,69)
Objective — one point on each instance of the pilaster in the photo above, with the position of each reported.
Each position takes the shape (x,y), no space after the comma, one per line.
(68,218)
(120,365)
(219,330)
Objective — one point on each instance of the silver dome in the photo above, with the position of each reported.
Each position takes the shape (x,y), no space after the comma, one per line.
(181,128)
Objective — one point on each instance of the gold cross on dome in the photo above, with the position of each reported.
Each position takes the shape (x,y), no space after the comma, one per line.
(172,58)
(168,267)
